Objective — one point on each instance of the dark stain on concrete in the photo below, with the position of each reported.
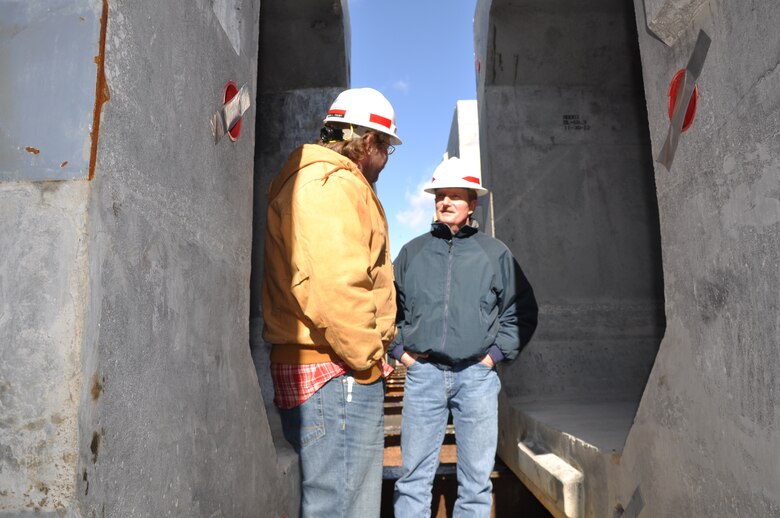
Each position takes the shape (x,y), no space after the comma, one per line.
(712,294)
(94,446)
(7,422)
(5,389)
(7,456)
(86,482)
(36,425)
(48,187)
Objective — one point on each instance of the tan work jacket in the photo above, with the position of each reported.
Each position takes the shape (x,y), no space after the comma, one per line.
(328,280)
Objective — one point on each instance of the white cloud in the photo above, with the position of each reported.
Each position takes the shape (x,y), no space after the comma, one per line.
(402,85)
(420,209)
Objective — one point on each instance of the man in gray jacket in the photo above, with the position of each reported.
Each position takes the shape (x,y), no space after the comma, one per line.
(464,305)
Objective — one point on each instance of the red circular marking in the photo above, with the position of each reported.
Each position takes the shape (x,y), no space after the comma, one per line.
(674,88)
(231,90)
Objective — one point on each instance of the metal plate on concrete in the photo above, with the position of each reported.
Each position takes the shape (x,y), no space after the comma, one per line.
(692,72)
(48,54)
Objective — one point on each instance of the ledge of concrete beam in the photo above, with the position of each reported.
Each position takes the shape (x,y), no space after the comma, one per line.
(668,19)
(552,480)
(288,33)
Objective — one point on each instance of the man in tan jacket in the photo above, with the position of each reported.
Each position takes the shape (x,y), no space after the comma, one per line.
(329,304)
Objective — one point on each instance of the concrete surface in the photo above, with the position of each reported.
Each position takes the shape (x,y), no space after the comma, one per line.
(561,482)
(463,141)
(705,437)
(602,422)
(43,291)
(565,149)
(307,45)
(176,412)
(126,381)
(693,434)
(127,385)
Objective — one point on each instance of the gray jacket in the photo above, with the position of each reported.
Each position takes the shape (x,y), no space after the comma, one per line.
(461,297)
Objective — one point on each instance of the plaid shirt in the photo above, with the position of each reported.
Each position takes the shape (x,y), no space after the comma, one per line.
(294,384)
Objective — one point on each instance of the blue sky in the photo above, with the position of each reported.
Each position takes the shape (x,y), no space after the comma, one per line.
(420,54)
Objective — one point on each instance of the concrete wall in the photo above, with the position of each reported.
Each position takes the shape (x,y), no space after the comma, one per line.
(126,381)
(178,415)
(565,150)
(578,206)
(704,441)
(43,290)
(43,237)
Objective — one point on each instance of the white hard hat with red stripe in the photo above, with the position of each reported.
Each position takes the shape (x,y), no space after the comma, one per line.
(455,173)
(364,107)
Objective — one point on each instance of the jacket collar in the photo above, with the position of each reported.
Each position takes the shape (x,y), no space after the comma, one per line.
(443,231)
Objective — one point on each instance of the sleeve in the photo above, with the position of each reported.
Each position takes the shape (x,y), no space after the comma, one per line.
(399,271)
(331,259)
(518,310)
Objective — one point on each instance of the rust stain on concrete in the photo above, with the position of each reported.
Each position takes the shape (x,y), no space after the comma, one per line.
(97,387)
(102,94)
(63,164)
(33,150)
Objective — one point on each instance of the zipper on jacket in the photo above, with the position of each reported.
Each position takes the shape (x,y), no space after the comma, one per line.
(447,287)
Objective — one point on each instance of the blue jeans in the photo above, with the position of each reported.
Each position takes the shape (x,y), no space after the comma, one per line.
(341,447)
(431,391)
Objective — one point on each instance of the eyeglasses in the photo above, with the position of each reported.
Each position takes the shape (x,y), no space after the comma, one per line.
(382,140)
(388,147)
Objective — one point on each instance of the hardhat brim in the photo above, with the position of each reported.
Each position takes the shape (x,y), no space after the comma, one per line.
(394,139)
(455,183)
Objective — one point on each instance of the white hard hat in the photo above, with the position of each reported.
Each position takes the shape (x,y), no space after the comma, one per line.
(364,107)
(455,173)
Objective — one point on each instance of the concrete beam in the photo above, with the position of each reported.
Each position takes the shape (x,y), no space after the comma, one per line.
(305,44)
(552,480)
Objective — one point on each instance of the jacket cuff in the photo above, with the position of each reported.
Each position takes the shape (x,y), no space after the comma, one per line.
(495,354)
(396,352)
